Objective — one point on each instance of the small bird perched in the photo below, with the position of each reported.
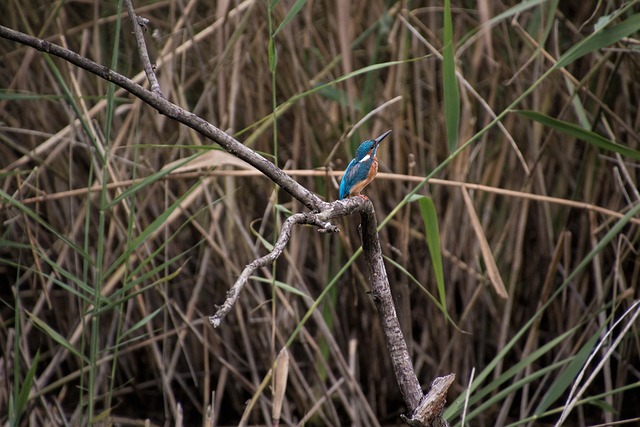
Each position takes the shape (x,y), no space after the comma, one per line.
(362,169)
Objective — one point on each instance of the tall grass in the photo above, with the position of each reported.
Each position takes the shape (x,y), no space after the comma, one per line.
(121,230)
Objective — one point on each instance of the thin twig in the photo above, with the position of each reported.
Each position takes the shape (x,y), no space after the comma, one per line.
(283,239)
(140,23)
(320,219)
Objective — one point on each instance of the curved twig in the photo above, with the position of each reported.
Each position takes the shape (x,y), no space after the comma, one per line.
(283,239)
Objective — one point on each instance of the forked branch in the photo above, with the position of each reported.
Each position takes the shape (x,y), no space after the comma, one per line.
(311,218)
(425,410)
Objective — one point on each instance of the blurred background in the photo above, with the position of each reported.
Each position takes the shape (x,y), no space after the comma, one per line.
(122,230)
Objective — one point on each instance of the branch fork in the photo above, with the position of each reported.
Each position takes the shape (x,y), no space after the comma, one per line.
(310,218)
(424,410)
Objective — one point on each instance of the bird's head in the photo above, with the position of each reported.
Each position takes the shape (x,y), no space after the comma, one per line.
(369,147)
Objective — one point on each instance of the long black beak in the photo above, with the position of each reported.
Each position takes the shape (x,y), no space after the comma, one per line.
(379,139)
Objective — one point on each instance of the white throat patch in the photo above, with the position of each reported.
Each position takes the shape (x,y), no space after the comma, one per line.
(365,158)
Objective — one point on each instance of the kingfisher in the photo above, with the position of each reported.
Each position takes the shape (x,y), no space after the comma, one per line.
(362,169)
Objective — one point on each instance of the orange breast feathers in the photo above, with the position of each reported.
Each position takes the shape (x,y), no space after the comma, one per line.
(373,171)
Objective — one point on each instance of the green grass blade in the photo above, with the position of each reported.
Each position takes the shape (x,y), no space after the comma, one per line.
(432,234)
(600,39)
(282,285)
(144,183)
(25,388)
(411,277)
(69,96)
(142,322)
(273,56)
(513,11)
(54,335)
(352,74)
(34,216)
(580,133)
(123,298)
(66,286)
(503,392)
(497,384)
(14,414)
(262,240)
(8,95)
(149,230)
(450,82)
(281,208)
(295,9)
(71,279)
(565,379)
(585,401)
(142,273)
(57,268)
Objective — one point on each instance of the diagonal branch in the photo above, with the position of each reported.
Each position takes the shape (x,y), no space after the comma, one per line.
(321,219)
(169,109)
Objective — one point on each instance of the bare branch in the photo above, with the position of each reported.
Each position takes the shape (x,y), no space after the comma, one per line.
(320,219)
(231,145)
(283,239)
(381,293)
(429,412)
(139,24)
(424,410)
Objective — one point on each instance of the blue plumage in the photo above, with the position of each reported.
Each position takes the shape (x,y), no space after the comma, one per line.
(362,169)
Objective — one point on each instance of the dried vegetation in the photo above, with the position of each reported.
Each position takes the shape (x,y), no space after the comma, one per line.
(109,270)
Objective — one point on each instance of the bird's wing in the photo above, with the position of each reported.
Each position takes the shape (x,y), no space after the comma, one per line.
(347,179)
(356,172)
(359,171)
